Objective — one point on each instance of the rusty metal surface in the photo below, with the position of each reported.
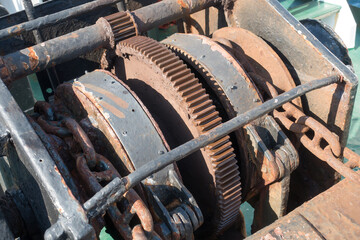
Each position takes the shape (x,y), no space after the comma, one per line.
(331,106)
(354,159)
(93,170)
(164,77)
(269,155)
(28,157)
(168,10)
(52,52)
(53,151)
(295,43)
(116,112)
(117,187)
(205,22)
(103,172)
(256,56)
(334,214)
(199,52)
(188,107)
(269,72)
(313,135)
(122,26)
(42,56)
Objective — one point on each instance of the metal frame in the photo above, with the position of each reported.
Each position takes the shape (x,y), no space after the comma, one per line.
(58,211)
(115,189)
(36,174)
(307,59)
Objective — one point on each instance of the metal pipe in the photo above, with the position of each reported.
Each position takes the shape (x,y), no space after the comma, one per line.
(54,18)
(115,189)
(34,168)
(58,50)
(159,13)
(52,52)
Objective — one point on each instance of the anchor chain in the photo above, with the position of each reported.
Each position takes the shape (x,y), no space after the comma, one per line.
(313,135)
(94,171)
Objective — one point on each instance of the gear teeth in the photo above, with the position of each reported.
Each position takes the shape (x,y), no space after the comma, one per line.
(204,115)
(122,25)
(224,162)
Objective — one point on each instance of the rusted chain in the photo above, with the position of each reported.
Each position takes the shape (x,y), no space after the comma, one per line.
(313,135)
(94,171)
(105,172)
(82,139)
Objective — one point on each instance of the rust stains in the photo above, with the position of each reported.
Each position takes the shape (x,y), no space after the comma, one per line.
(64,183)
(118,101)
(112,109)
(33,58)
(278,231)
(73,35)
(26,66)
(268,237)
(15,30)
(183,4)
(4,73)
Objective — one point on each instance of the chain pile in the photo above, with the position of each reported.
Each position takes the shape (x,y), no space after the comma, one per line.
(90,170)
(314,136)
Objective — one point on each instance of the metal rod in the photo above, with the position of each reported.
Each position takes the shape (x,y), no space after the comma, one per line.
(115,189)
(54,18)
(61,49)
(52,52)
(162,12)
(30,13)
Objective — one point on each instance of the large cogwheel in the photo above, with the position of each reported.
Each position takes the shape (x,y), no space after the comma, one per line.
(183,110)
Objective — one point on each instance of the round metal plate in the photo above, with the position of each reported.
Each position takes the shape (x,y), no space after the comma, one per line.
(113,110)
(261,58)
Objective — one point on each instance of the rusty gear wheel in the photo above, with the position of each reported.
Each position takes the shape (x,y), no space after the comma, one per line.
(183,110)
(233,89)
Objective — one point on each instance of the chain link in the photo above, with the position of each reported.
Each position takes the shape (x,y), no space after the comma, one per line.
(313,135)
(94,171)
